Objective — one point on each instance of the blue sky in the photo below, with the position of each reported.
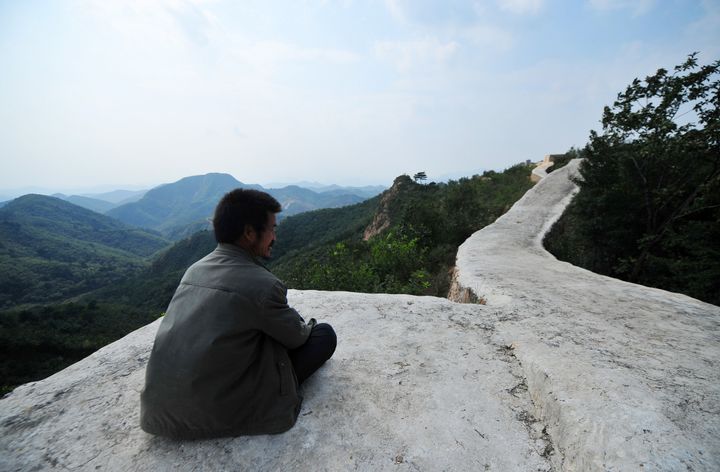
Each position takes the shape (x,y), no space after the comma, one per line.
(106,92)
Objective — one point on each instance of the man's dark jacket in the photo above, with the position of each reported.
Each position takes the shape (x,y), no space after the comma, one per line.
(219,365)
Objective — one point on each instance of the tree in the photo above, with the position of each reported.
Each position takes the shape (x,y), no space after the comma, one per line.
(652,178)
(420,177)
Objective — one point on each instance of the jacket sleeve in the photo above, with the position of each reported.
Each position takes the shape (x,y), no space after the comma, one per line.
(281,322)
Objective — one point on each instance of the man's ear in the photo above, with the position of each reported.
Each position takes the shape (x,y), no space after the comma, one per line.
(249,233)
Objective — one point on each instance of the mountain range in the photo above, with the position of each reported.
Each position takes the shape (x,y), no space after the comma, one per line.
(181,208)
(56,247)
(184,207)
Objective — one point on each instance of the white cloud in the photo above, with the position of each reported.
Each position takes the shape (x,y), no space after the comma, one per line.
(406,55)
(638,7)
(520,6)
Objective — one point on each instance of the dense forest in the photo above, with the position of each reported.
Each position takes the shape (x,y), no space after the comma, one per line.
(37,342)
(648,210)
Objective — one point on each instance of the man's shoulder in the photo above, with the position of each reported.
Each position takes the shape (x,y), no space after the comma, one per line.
(230,271)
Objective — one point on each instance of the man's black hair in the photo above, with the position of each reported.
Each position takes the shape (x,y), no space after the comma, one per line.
(240,207)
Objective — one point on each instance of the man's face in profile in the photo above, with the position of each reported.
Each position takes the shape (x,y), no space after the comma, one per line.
(266,239)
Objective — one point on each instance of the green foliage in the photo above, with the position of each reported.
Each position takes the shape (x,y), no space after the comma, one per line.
(39,341)
(649,206)
(389,263)
(152,288)
(51,250)
(315,228)
(342,268)
(415,254)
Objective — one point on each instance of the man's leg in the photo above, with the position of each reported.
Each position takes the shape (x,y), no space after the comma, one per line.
(319,347)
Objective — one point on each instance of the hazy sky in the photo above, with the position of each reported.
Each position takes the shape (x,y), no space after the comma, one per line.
(352,92)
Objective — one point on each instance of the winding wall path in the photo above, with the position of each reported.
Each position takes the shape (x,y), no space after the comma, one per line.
(625,376)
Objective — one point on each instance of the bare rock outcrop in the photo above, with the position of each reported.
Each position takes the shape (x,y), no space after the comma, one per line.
(382,219)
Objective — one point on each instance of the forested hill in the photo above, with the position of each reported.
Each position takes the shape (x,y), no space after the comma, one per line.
(51,249)
(94,204)
(50,216)
(412,251)
(151,289)
(315,228)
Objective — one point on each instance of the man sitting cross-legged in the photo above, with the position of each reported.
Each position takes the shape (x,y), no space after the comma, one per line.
(230,353)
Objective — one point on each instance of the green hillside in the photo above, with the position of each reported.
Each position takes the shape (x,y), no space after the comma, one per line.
(37,341)
(152,288)
(51,250)
(319,227)
(415,230)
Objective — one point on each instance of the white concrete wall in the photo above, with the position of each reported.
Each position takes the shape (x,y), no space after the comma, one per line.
(626,377)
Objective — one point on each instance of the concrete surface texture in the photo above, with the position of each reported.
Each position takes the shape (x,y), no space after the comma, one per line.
(560,369)
(416,384)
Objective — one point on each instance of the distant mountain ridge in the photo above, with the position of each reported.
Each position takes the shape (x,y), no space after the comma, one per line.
(118,197)
(94,204)
(181,203)
(367,191)
(100,202)
(178,209)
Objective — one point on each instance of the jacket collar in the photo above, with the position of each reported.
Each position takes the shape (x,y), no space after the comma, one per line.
(236,251)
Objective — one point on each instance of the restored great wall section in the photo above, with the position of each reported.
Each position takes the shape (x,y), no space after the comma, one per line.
(625,376)
(559,369)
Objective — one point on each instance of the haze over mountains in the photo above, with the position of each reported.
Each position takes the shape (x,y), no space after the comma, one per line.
(181,208)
